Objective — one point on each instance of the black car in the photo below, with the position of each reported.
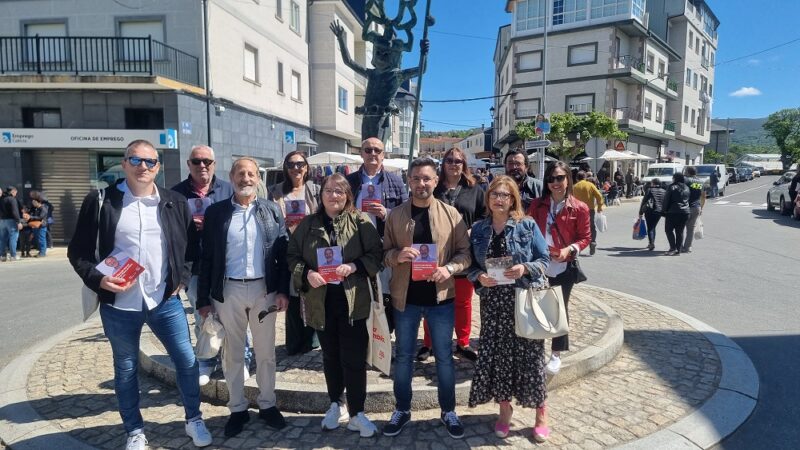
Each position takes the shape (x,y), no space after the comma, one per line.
(745,174)
(733,174)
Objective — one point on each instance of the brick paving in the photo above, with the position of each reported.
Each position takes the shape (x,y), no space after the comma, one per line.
(664,371)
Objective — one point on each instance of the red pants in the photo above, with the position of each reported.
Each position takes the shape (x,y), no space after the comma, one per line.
(463,311)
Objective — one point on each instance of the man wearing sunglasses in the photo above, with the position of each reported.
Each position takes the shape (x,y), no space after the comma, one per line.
(150,225)
(516,162)
(201,183)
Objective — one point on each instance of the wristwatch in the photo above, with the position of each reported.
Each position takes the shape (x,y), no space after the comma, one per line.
(572,251)
(450,268)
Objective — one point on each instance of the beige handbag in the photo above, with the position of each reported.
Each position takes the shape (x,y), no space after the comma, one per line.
(379,349)
(540,313)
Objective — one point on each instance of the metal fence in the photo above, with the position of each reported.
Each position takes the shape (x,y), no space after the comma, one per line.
(96,55)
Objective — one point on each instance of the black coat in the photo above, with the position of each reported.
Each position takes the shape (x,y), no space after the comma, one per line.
(676,200)
(175,219)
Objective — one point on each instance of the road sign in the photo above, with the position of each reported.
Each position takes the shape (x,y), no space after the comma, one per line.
(530,145)
(288,137)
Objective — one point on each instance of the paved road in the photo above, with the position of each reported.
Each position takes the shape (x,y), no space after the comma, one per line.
(742,279)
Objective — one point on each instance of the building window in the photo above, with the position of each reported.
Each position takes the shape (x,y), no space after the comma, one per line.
(648,109)
(51,50)
(662,69)
(295,23)
(691,38)
(703,83)
(697,46)
(139,50)
(659,113)
(579,55)
(279,9)
(710,90)
(527,108)
(711,59)
(250,63)
(685,114)
(280,78)
(530,14)
(694,81)
(651,62)
(688,77)
(693,118)
(41,118)
(144,119)
(529,61)
(608,8)
(342,99)
(579,104)
(296,92)
(568,11)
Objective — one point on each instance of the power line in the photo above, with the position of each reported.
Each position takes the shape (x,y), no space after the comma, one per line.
(455,100)
(451,124)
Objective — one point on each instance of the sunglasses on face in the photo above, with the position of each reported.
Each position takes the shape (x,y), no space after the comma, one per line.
(137,160)
(198,161)
(295,165)
(271,309)
(372,150)
(556,178)
(454,161)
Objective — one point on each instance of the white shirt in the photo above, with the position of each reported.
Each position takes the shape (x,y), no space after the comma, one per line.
(139,235)
(244,252)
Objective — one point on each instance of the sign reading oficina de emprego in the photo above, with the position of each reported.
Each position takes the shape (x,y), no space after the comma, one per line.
(78,138)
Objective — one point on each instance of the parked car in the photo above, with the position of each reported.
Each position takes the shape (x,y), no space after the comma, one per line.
(756,172)
(733,174)
(778,194)
(745,173)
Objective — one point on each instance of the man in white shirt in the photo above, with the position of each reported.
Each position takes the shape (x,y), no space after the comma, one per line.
(245,278)
(150,225)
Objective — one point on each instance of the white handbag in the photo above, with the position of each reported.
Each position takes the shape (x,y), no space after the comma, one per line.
(540,314)
(212,334)
(698,229)
(379,349)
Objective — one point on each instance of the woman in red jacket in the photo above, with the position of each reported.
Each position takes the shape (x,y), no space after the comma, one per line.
(564,222)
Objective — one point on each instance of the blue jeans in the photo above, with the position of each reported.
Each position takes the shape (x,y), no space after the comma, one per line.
(42,236)
(9,235)
(440,324)
(123,330)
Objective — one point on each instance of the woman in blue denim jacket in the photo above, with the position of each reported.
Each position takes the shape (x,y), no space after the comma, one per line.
(508,367)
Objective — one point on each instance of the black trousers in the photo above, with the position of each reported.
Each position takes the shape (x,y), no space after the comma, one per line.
(299,337)
(651,218)
(566,280)
(674,226)
(344,355)
(593,226)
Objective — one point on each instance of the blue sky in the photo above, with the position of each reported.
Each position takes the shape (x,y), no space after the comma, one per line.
(463,40)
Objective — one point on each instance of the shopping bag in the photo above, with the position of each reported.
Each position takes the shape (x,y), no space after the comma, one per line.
(212,333)
(698,229)
(600,222)
(379,349)
(639,229)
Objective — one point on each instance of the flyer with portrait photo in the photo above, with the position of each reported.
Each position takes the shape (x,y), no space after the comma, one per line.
(496,266)
(370,195)
(328,259)
(122,266)
(295,211)
(198,206)
(426,263)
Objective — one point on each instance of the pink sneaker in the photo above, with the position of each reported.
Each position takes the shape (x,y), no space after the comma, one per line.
(541,434)
(501,430)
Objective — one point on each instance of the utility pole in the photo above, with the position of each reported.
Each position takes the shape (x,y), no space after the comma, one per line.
(207,72)
(544,85)
(423,62)
(727,138)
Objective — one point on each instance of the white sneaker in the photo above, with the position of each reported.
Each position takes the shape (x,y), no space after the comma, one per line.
(554,365)
(336,413)
(196,429)
(364,426)
(136,442)
(205,374)
(16,258)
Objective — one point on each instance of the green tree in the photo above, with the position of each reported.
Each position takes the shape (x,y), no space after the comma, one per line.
(784,126)
(712,157)
(570,133)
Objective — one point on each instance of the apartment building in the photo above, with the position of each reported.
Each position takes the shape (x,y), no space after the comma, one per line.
(601,56)
(436,146)
(478,145)
(80,79)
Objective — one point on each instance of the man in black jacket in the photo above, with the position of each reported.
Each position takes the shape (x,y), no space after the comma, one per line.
(244,277)
(516,162)
(10,224)
(140,221)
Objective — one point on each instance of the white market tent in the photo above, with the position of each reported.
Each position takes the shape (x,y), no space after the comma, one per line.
(614,155)
(333,158)
(395,165)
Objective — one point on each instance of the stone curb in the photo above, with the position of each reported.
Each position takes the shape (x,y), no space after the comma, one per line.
(725,411)
(380,398)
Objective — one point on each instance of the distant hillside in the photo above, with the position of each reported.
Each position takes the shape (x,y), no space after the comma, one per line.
(749,132)
(452,133)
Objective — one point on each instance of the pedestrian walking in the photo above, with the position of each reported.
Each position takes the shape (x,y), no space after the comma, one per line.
(150,225)
(675,209)
(244,278)
(296,188)
(586,191)
(10,224)
(458,189)
(339,310)
(516,162)
(564,222)
(509,367)
(651,208)
(697,200)
(202,184)
(424,220)
(603,173)
(37,220)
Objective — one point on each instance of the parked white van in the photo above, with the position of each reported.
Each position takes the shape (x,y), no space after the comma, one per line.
(662,171)
(704,173)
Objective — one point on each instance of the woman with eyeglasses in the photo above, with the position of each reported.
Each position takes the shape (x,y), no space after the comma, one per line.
(338,310)
(509,367)
(564,222)
(458,188)
(296,189)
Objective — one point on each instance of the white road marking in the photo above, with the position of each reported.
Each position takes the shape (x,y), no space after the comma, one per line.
(745,203)
(748,190)
(722,202)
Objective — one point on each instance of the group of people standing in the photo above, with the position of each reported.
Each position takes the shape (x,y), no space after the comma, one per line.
(247,258)
(24,227)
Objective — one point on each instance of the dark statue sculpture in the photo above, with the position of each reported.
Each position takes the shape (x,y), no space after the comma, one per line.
(384,80)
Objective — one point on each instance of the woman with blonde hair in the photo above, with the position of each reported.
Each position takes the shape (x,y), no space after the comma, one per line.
(508,367)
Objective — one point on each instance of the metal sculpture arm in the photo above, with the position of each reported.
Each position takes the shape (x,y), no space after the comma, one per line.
(338,31)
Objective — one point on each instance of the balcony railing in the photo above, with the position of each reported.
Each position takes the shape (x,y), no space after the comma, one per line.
(629,62)
(96,55)
(669,126)
(672,85)
(627,114)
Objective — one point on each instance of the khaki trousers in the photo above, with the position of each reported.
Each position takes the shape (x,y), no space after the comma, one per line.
(243,302)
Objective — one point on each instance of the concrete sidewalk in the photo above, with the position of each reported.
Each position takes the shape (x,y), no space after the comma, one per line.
(675,383)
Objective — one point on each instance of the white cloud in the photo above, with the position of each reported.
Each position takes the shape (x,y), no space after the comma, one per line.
(745,92)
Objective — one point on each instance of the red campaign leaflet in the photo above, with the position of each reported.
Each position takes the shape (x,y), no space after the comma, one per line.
(426,263)
(370,195)
(295,211)
(122,266)
(328,259)
(198,206)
